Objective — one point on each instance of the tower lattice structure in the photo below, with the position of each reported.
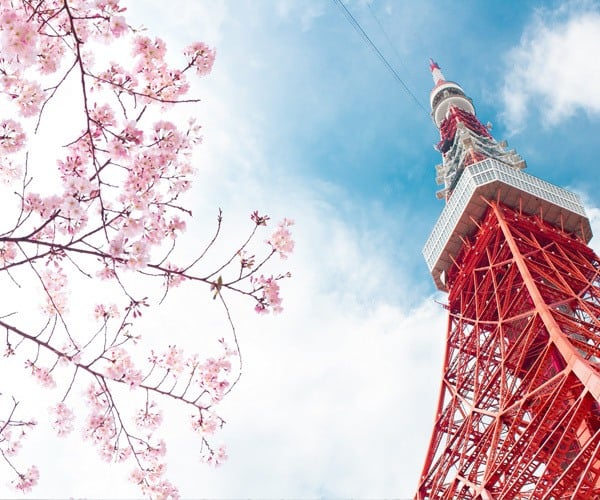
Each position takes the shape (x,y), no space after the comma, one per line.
(518,413)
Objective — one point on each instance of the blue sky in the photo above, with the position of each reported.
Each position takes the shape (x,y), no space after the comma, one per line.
(301,119)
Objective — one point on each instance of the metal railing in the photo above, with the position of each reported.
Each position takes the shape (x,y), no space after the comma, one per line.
(480,174)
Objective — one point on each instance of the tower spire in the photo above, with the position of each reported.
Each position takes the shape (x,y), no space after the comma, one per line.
(464,140)
(436,72)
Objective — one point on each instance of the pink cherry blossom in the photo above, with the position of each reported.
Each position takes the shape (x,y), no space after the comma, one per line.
(118,25)
(9,171)
(149,417)
(105,312)
(11,446)
(103,115)
(270,299)
(120,367)
(215,458)
(54,281)
(29,97)
(27,480)
(49,55)
(18,35)
(63,421)
(173,359)
(201,57)
(281,239)
(8,252)
(174,275)
(96,397)
(175,225)
(41,374)
(206,422)
(12,137)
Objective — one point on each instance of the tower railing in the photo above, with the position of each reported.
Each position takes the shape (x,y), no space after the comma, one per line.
(492,179)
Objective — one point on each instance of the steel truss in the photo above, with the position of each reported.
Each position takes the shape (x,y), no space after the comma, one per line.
(518,413)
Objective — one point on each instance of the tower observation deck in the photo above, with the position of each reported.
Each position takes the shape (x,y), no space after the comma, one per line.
(518,413)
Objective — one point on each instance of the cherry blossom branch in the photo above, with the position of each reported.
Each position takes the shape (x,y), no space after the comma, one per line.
(116,218)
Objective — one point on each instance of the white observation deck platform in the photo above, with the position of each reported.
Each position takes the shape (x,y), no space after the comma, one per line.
(492,180)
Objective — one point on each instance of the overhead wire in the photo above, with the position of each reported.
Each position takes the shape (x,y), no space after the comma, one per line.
(387,37)
(356,25)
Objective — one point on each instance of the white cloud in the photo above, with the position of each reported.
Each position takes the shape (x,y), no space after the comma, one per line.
(554,68)
(335,405)
(305,12)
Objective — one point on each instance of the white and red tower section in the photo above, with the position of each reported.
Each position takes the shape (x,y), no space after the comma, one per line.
(518,413)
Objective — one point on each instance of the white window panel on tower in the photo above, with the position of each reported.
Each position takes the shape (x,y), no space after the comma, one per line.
(493,180)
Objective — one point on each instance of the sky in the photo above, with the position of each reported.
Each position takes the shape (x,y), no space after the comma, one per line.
(301,119)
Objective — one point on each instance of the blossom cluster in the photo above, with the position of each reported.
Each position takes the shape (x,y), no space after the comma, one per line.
(201,57)
(63,419)
(41,374)
(8,252)
(12,140)
(270,299)
(18,37)
(27,480)
(55,282)
(206,422)
(214,457)
(120,367)
(208,378)
(12,434)
(281,240)
(101,427)
(159,488)
(149,417)
(172,360)
(212,377)
(11,442)
(106,311)
(12,137)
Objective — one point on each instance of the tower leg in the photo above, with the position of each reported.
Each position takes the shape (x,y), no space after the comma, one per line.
(519,413)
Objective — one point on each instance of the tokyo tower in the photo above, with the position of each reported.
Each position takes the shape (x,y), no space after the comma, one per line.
(518,414)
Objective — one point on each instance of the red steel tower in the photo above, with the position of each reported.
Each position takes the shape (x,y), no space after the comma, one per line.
(518,413)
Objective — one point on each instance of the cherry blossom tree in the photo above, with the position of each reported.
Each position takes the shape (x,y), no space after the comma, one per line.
(105,224)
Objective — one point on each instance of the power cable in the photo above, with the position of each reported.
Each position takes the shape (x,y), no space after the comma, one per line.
(351,19)
(387,37)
